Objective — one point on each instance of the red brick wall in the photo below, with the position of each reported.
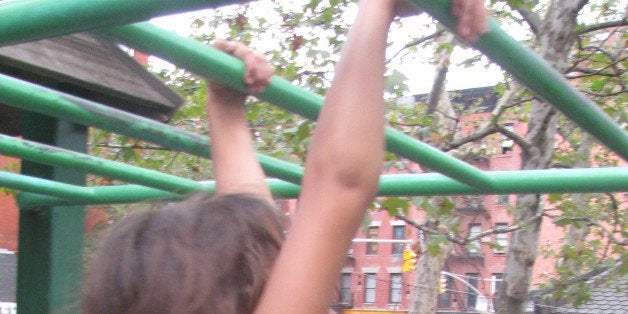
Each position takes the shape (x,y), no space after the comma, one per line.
(9,214)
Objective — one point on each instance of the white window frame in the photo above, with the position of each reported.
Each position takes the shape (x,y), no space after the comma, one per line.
(370,279)
(474,247)
(501,239)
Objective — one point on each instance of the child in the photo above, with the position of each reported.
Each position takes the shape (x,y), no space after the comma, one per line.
(222,254)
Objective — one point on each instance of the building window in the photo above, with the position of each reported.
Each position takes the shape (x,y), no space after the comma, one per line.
(444,299)
(399,233)
(474,246)
(345,288)
(369,288)
(472,295)
(501,239)
(503,199)
(395,288)
(496,283)
(371,247)
(506,143)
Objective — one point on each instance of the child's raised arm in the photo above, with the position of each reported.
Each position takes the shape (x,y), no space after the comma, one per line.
(341,171)
(342,167)
(236,168)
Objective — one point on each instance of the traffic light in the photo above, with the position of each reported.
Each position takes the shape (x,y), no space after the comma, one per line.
(409,260)
(443,285)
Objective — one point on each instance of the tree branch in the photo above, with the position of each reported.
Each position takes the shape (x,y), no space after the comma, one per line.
(416,43)
(533,19)
(450,236)
(510,228)
(604,25)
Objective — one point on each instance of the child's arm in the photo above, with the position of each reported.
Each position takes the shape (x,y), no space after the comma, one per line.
(341,171)
(236,168)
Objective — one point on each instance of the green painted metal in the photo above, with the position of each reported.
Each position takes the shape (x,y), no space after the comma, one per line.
(28,20)
(27,96)
(585,180)
(220,67)
(53,156)
(51,239)
(540,77)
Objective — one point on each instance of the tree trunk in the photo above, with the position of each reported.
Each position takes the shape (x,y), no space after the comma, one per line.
(427,279)
(556,38)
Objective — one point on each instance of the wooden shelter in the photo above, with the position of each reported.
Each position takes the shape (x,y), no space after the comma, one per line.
(89,67)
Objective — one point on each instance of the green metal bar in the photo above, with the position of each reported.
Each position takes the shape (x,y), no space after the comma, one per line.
(53,156)
(34,196)
(51,239)
(220,67)
(27,96)
(586,180)
(45,187)
(28,20)
(533,72)
(582,180)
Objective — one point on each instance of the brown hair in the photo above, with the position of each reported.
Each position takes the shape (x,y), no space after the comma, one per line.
(199,256)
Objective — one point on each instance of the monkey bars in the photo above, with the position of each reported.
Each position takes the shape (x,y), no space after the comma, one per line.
(52,180)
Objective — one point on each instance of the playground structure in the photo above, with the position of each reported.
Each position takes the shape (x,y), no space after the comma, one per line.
(53,175)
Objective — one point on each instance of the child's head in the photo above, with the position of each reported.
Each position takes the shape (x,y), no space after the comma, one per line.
(199,256)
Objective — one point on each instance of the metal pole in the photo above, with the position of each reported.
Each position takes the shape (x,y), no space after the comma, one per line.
(585,180)
(540,77)
(220,67)
(36,193)
(53,156)
(51,239)
(31,97)
(28,20)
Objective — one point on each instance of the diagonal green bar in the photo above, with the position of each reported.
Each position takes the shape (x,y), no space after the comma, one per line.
(53,156)
(27,96)
(220,67)
(28,20)
(586,180)
(533,72)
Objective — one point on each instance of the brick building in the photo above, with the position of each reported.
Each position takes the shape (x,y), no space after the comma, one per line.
(372,279)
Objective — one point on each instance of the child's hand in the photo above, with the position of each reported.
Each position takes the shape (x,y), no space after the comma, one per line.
(472,18)
(257,73)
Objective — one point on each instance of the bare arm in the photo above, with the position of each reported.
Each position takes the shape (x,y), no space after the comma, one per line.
(341,171)
(236,168)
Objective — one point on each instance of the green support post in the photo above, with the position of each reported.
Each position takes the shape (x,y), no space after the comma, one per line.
(51,238)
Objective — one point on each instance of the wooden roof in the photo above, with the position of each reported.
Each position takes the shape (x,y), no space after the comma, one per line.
(89,67)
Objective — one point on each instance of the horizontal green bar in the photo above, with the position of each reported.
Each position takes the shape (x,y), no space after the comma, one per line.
(220,67)
(45,187)
(28,20)
(586,180)
(581,180)
(119,194)
(535,73)
(31,97)
(53,156)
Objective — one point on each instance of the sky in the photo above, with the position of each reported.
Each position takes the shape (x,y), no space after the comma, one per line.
(419,72)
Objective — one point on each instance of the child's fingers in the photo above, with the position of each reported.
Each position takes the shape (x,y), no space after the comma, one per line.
(257,71)
(472,18)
